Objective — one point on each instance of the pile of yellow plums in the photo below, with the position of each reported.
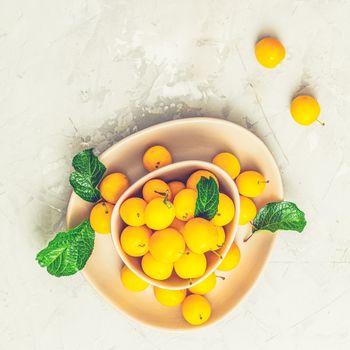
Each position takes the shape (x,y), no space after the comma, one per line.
(163,232)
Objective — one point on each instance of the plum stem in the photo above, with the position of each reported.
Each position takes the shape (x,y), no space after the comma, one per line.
(166,200)
(161,193)
(264,182)
(246,239)
(222,277)
(217,254)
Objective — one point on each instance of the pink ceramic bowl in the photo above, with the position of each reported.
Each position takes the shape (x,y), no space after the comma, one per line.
(177,171)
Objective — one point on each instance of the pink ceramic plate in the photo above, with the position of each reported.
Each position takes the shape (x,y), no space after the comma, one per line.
(187,139)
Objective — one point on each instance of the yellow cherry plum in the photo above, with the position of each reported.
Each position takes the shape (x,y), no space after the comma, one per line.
(269,52)
(168,297)
(113,186)
(196,309)
(231,260)
(247,210)
(131,281)
(205,286)
(190,265)
(305,110)
(100,217)
(251,183)
(193,180)
(156,188)
(176,187)
(156,157)
(156,269)
(159,213)
(132,211)
(185,204)
(135,240)
(226,211)
(167,245)
(200,235)
(228,162)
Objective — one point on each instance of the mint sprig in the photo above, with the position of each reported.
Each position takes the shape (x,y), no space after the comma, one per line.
(69,251)
(280,216)
(276,216)
(87,175)
(208,198)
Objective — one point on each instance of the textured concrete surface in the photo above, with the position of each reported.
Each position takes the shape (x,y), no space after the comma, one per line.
(89,72)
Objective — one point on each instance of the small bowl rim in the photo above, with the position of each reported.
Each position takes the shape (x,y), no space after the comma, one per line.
(158,173)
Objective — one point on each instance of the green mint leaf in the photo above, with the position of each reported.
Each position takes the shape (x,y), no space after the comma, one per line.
(208,198)
(87,175)
(69,251)
(279,216)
